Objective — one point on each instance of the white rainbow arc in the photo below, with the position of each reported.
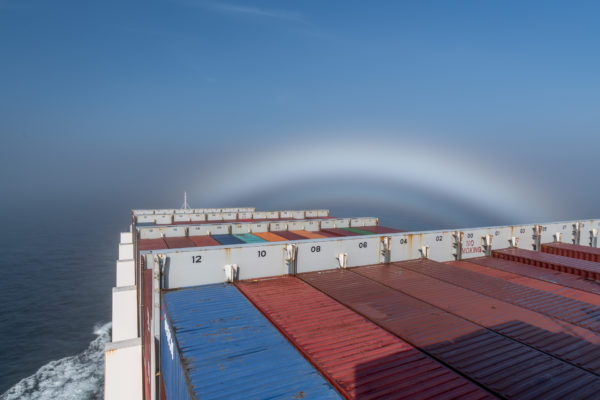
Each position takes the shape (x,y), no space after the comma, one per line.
(454,176)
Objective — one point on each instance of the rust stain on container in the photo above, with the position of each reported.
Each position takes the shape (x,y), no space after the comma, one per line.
(559,307)
(573,251)
(504,366)
(583,268)
(409,241)
(568,342)
(547,280)
(361,359)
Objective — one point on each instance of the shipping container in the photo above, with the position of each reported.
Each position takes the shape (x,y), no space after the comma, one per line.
(359,231)
(216,217)
(202,241)
(249,238)
(289,235)
(216,345)
(380,229)
(550,304)
(504,366)
(309,235)
(179,242)
(548,275)
(552,283)
(583,268)
(573,251)
(568,342)
(227,239)
(151,244)
(326,234)
(363,360)
(338,232)
(270,236)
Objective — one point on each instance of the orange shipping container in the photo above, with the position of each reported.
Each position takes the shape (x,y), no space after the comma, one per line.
(269,236)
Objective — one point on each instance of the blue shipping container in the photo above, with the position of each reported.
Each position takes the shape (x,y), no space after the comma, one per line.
(249,238)
(215,344)
(227,239)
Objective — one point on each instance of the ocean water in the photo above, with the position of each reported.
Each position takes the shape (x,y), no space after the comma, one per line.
(57,269)
(74,377)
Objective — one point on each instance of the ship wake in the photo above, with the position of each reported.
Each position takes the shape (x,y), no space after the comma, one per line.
(76,377)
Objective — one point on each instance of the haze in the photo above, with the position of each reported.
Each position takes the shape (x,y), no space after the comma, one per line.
(442,113)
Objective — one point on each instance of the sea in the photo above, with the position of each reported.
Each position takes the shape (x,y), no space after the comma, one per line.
(57,271)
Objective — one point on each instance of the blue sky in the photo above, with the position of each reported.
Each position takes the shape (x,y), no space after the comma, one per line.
(486,109)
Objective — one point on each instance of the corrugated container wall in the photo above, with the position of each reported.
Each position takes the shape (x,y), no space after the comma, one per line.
(573,251)
(176,386)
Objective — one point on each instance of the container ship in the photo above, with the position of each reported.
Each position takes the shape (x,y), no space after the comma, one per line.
(235,303)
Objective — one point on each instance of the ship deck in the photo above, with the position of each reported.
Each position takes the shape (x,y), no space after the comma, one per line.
(291,306)
(426,329)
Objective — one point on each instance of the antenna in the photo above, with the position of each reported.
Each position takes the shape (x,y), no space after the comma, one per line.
(185,205)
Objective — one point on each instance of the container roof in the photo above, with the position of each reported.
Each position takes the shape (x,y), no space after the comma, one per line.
(229,350)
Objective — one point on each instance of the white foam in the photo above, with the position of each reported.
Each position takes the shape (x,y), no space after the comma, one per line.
(75,377)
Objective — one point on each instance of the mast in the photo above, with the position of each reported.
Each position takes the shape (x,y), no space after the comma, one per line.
(185,205)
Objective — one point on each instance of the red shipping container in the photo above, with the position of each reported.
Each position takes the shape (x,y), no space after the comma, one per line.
(583,268)
(568,342)
(504,366)
(563,308)
(550,281)
(359,358)
(573,251)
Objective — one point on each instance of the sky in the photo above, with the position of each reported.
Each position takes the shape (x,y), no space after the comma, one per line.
(438,113)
